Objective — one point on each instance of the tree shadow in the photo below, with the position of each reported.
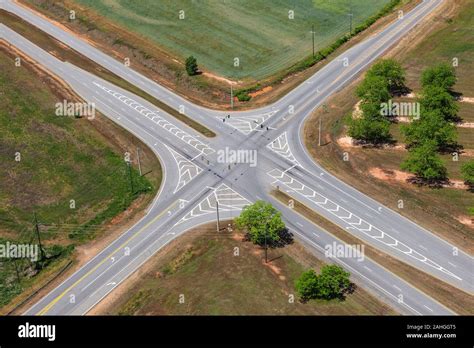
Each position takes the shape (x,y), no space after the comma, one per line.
(401,91)
(456,95)
(286,238)
(275,258)
(436,184)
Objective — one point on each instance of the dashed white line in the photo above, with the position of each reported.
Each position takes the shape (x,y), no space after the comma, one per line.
(428,308)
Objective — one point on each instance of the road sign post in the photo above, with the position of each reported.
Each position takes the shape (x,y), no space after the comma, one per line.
(217,211)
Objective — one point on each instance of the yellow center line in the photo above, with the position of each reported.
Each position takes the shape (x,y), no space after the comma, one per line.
(53,302)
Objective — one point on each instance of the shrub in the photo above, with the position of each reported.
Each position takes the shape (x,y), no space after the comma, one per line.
(191,66)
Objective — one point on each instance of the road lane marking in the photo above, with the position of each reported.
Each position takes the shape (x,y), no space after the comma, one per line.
(356,222)
(59,297)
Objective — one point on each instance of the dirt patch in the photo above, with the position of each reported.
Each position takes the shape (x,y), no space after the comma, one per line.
(467,100)
(456,184)
(261,91)
(468,152)
(466,220)
(346,142)
(400,176)
(221,78)
(390,175)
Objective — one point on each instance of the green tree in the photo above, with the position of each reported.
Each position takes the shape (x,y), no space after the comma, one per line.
(191,66)
(307,285)
(442,75)
(391,71)
(369,130)
(374,89)
(467,171)
(431,125)
(333,282)
(435,98)
(425,163)
(371,110)
(261,220)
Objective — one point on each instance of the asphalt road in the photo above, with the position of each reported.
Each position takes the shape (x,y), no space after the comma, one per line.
(196,178)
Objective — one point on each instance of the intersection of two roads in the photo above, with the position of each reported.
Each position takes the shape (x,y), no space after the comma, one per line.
(196,180)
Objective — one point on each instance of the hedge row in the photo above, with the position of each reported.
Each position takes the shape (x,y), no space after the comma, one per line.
(325,52)
(243,94)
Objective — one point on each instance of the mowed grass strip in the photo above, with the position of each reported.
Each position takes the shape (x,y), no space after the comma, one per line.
(202,266)
(50,44)
(263,35)
(457,300)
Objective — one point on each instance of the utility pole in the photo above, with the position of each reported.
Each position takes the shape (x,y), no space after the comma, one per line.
(313,32)
(139,164)
(16,269)
(231,97)
(217,211)
(38,236)
(319,138)
(130,176)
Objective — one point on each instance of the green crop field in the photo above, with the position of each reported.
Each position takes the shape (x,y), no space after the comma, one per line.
(257,32)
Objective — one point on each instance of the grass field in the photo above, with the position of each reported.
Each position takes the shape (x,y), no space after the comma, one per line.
(62,159)
(201,265)
(439,210)
(259,33)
